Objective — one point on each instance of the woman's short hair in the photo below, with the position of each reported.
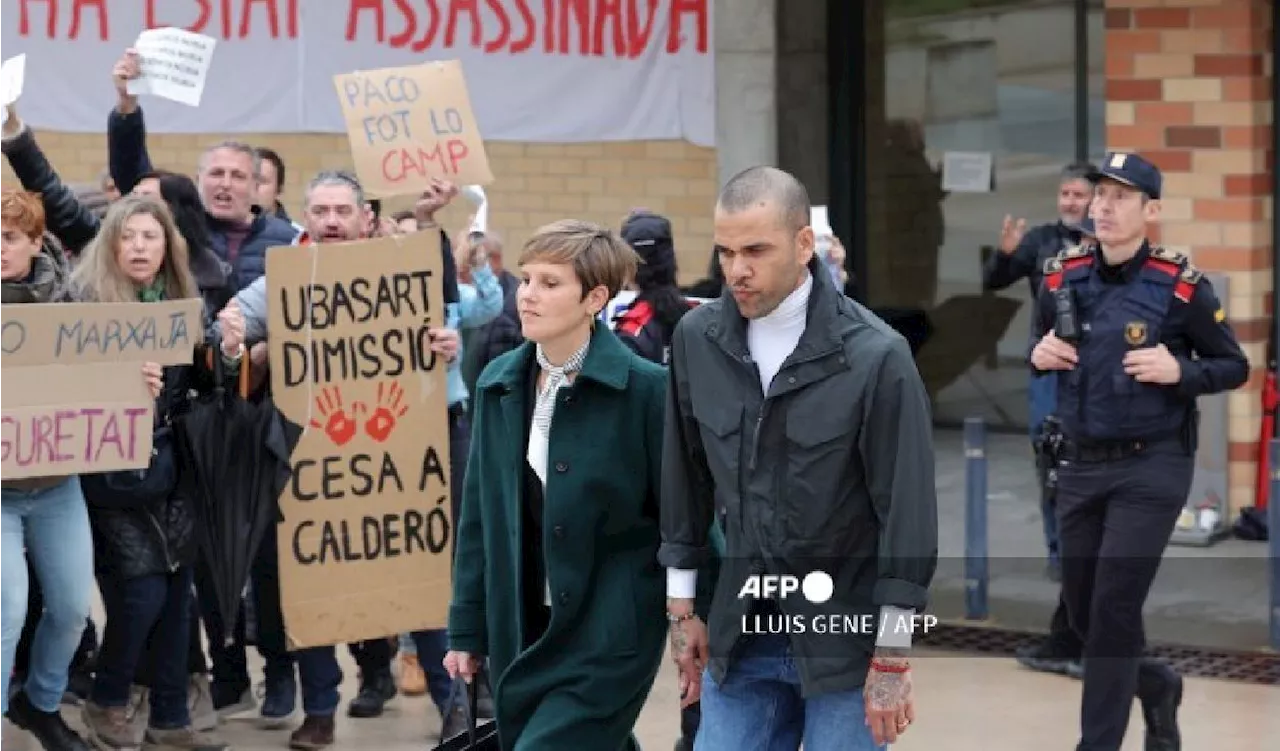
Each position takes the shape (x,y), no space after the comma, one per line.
(24,211)
(599,257)
(98,276)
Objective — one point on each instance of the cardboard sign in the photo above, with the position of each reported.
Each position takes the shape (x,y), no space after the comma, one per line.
(175,64)
(74,399)
(366,541)
(408,125)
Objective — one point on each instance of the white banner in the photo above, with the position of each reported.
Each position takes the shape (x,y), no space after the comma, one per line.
(537,70)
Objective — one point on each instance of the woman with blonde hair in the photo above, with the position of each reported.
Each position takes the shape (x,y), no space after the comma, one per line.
(555,577)
(144,548)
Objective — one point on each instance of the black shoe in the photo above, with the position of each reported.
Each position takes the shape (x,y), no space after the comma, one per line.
(48,727)
(1046,659)
(374,694)
(1160,692)
(684,744)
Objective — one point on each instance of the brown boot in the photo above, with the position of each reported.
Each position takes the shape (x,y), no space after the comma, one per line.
(182,739)
(112,727)
(316,732)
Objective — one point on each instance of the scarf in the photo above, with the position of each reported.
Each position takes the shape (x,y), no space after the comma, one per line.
(557,378)
(47,280)
(153,292)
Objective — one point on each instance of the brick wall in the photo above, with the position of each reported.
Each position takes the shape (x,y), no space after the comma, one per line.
(1189,86)
(535,183)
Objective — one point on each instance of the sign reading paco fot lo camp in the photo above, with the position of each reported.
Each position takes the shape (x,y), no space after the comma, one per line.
(367,538)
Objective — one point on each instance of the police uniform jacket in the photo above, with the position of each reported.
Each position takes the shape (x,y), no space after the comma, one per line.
(1157,297)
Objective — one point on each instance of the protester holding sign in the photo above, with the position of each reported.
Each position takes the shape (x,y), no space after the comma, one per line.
(568,628)
(228,175)
(144,535)
(44,517)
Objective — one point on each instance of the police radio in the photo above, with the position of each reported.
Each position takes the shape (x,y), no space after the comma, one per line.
(1066,322)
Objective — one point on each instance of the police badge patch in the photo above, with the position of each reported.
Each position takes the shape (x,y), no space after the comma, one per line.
(1135,333)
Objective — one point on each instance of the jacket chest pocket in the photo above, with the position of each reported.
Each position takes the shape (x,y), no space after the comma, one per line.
(819,454)
(720,428)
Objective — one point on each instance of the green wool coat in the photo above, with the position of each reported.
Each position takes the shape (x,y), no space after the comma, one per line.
(582,685)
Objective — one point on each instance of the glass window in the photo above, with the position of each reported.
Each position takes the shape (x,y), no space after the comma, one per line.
(952,87)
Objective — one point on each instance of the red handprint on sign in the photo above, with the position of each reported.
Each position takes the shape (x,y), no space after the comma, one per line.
(389,411)
(339,426)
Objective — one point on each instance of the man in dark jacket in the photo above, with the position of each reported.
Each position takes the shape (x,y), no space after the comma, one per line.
(799,418)
(227,176)
(1022,254)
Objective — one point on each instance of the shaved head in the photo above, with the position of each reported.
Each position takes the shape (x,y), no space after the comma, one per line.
(761,186)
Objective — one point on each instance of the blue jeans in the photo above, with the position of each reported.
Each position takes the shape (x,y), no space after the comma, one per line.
(52,525)
(759,707)
(148,617)
(320,676)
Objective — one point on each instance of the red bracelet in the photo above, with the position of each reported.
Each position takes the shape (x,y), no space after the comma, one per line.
(881,667)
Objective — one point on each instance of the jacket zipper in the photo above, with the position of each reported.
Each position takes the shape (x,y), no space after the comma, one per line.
(764,403)
(164,542)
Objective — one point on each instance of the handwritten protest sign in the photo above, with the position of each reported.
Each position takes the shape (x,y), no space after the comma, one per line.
(175,63)
(408,125)
(74,399)
(366,541)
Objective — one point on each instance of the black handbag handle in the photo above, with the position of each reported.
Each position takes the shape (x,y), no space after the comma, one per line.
(473,698)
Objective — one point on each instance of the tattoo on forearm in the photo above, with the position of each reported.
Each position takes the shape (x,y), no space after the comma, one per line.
(679,642)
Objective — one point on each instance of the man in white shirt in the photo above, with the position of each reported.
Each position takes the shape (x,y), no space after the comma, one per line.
(799,418)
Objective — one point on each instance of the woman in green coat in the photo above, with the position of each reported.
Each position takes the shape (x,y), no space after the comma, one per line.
(556,581)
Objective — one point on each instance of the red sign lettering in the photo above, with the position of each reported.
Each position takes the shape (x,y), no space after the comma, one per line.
(78,7)
(566,27)
(621,29)
(401,163)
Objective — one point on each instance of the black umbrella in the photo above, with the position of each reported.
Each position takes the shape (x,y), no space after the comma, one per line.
(234,455)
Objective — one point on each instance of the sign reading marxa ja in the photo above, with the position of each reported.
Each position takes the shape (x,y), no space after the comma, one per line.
(366,541)
(74,399)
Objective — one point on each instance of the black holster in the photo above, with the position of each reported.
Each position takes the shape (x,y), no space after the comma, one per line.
(1048,448)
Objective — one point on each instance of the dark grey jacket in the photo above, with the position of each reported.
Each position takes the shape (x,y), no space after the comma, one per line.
(832,471)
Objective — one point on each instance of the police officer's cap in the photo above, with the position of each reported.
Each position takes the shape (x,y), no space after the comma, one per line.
(1130,169)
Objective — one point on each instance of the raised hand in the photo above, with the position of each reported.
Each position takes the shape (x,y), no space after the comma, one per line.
(338,425)
(1011,234)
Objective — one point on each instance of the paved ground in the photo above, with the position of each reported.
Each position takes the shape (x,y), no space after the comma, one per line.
(964,704)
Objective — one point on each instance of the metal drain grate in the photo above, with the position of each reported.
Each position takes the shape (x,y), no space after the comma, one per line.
(1245,667)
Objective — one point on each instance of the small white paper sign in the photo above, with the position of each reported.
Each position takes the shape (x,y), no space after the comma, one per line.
(476,195)
(12,73)
(819,221)
(967,171)
(174,64)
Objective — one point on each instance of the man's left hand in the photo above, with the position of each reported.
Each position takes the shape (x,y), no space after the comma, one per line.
(1153,365)
(890,705)
(444,342)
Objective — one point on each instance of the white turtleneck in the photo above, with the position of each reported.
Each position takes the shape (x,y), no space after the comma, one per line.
(771,339)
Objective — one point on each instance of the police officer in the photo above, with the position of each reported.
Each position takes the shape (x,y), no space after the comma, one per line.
(1135,334)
